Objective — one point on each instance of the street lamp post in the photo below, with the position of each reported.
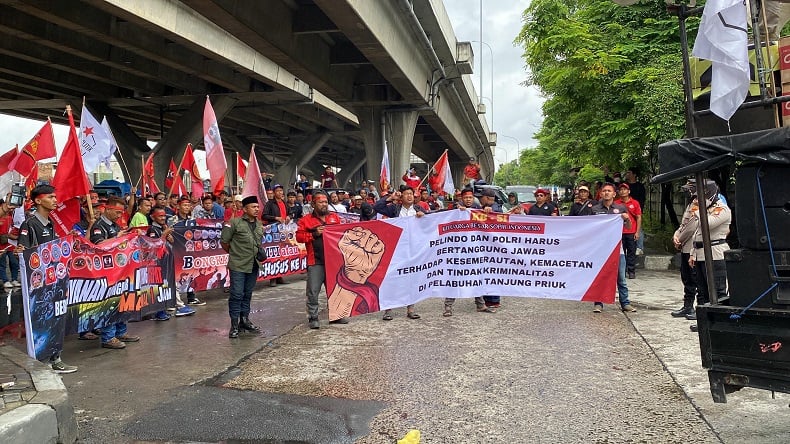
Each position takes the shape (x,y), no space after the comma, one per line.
(518,146)
(491,51)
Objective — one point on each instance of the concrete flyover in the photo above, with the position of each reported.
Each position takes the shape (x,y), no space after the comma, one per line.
(309,82)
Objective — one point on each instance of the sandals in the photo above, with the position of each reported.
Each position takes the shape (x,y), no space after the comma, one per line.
(412,315)
(88,336)
(448,311)
(387,316)
(485,309)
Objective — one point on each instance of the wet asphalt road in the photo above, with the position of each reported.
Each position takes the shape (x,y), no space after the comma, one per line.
(536,371)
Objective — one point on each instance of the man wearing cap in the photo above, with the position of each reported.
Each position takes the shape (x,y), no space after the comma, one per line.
(364,209)
(241,238)
(38,229)
(582,205)
(632,231)
(275,212)
(607,206)
(113,336)
(683,238)
(471,171)
(543,205)
(310,232)
(719,218)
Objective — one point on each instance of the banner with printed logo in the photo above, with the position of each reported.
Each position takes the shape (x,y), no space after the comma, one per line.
(201,264)
(118,280)
(70,285)
(376,265)
(44,275)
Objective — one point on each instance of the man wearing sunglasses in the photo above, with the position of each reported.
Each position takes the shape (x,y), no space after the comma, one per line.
(543,205)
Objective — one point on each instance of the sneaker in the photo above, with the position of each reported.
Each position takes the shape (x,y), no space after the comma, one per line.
(196,301)
(597,308)
(185,311)
(170,309)
(128,338)
(628,308)
(161,316)
(8,285)
(639,252)
(60,367)
(314,324)
(16,283)
(114,344)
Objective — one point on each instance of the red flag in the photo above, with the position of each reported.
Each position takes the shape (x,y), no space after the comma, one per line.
(241,169)
(70,179)
(6,159)
(442,181)
(148,176)
(65,216)
(31,180)
(188,163)
(173,181)
(215,155)
(253,183)
(41,146)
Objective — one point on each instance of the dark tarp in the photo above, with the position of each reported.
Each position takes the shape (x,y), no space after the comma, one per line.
(684,157)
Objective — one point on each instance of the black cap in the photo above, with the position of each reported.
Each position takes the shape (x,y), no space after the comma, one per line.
(249,200)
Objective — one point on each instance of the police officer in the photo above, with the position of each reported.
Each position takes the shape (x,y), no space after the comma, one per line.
(38,229)
(683,238)
(719,218)
(113,336)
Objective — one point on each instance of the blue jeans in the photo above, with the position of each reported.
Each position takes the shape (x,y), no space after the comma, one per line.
(113,331)
(11,259)
(622,286)
(241,286)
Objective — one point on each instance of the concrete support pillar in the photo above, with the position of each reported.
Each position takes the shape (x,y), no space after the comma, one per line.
(400,127)
(130,146)
(348,173)
(370,122)
(188,129)
(457,169)
(286,174)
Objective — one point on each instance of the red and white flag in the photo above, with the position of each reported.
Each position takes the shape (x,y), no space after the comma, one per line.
(188,163)
(215,155)
(443,182)
(253,182)
(241,169)
(95,144)
(70,182)
(40,147)
(384,177)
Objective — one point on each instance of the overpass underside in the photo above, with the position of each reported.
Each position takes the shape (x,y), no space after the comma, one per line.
(309,83)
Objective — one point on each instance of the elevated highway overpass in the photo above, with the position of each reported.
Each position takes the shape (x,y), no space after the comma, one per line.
(309,82)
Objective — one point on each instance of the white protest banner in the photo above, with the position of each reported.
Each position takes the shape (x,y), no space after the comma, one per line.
(375,265)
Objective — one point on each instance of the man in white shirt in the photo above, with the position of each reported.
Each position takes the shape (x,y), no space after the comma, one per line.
(335,205)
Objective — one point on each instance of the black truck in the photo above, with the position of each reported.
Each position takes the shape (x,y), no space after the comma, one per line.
(745,339)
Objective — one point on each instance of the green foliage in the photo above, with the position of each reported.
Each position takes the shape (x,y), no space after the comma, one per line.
(591,174)
(613,80)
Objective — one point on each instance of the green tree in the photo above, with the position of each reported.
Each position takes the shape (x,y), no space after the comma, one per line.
(612,77)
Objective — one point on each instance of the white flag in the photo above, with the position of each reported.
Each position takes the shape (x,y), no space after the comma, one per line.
(95,143)
(384,175)
(113,143)
(722,40)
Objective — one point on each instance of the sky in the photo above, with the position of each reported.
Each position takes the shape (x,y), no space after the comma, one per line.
(516,113)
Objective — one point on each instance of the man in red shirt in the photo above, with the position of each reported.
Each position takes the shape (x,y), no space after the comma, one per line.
(328,178)
(411,179)
(310,232)
(471,171)
(631,231)
(8,236)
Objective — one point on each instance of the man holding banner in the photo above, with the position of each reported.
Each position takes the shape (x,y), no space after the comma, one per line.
(39,229)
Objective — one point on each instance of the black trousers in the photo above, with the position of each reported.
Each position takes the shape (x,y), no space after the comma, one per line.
(629,246)
(689,278)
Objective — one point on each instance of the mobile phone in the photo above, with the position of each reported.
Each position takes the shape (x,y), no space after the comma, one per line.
(17,195)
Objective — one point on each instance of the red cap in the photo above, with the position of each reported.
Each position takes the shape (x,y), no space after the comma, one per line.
(542,191)
(624,185)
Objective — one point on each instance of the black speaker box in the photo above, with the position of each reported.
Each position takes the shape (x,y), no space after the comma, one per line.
(751,223)
(750,273)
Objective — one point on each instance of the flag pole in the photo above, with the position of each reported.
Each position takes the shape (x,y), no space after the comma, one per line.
(429,170)
(178,171)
